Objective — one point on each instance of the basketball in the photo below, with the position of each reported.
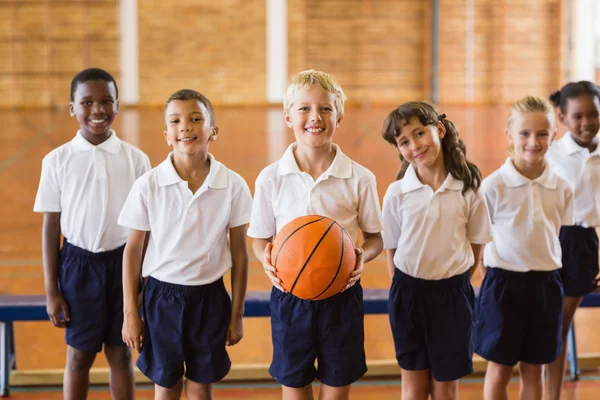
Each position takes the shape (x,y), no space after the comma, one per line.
(314,257)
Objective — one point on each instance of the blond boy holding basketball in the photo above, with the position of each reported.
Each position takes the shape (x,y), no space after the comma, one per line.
(314,177)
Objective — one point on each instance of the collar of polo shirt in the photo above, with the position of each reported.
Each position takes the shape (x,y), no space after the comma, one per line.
(571,147)
(111,145)
(341,167)
(216,178)
(411,182)
(512,177)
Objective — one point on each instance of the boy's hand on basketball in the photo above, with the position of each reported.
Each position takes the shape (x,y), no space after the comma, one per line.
(133,332)
(270,269)
(55,306)
(358,269)
(235,332)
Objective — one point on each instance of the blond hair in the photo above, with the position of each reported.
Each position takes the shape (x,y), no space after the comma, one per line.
(530,104)
(310,78)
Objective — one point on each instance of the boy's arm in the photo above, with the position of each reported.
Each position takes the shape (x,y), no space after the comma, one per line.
(372,246)
(55,302)
(477,252)
(239,281)
(133,328)
(262,251)
(389,258)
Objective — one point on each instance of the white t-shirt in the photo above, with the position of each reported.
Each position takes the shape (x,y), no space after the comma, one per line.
(188,231)
(346,193)
(526,219)
(432,231)
(88,185)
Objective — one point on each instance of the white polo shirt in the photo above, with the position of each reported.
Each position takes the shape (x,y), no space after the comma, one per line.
(88,185)
(432,231)
(526,219)
(188,231)
(346,193)
(581,169)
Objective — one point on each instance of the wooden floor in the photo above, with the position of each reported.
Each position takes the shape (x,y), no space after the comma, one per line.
(472,389)
(249,139)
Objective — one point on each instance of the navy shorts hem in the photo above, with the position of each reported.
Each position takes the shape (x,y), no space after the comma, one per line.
(290,383)
(216,377)
(491,356)
(148,373)
(83,347)
(347,380)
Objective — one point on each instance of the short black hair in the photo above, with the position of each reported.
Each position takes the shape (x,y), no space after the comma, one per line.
(189,94)
(92,74)
(572,90)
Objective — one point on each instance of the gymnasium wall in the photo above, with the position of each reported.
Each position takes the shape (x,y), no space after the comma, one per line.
(215,46)
(491,51)
(43,44)
(500,50)
(378,50)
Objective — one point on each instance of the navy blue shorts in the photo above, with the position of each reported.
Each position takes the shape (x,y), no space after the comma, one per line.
(92,285)
(579,260)
(185,325)
(432,324)
(519,317)
(330,331)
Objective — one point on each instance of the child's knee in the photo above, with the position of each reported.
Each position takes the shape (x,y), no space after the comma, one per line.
(530,373)
(118,357)
(415,392)
(198,391)
(444,390)
(79,361)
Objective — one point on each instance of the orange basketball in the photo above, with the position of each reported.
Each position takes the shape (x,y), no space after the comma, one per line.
(314,257)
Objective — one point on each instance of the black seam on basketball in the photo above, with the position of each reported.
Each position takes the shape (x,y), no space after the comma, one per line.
(290,235)
(310,256)
(338,268)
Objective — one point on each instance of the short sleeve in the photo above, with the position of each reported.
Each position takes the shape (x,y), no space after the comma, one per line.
(48,194)
(369,210)
(134,214)
(479,226)
(142,165)
(262,219)
(241,204)
(392,221)
(568,214)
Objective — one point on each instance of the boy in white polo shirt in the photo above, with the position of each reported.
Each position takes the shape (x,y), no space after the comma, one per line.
(186,208)
(314,177)
(519,309)
(83,186)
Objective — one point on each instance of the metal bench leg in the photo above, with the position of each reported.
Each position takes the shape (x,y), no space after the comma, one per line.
(12,360)
(572,354)
(5,346)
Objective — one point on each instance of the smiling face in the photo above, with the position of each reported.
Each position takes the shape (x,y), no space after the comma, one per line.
(313,116)
(95,106)
(582,118)
(421,145)
(530,135)
(189,127)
